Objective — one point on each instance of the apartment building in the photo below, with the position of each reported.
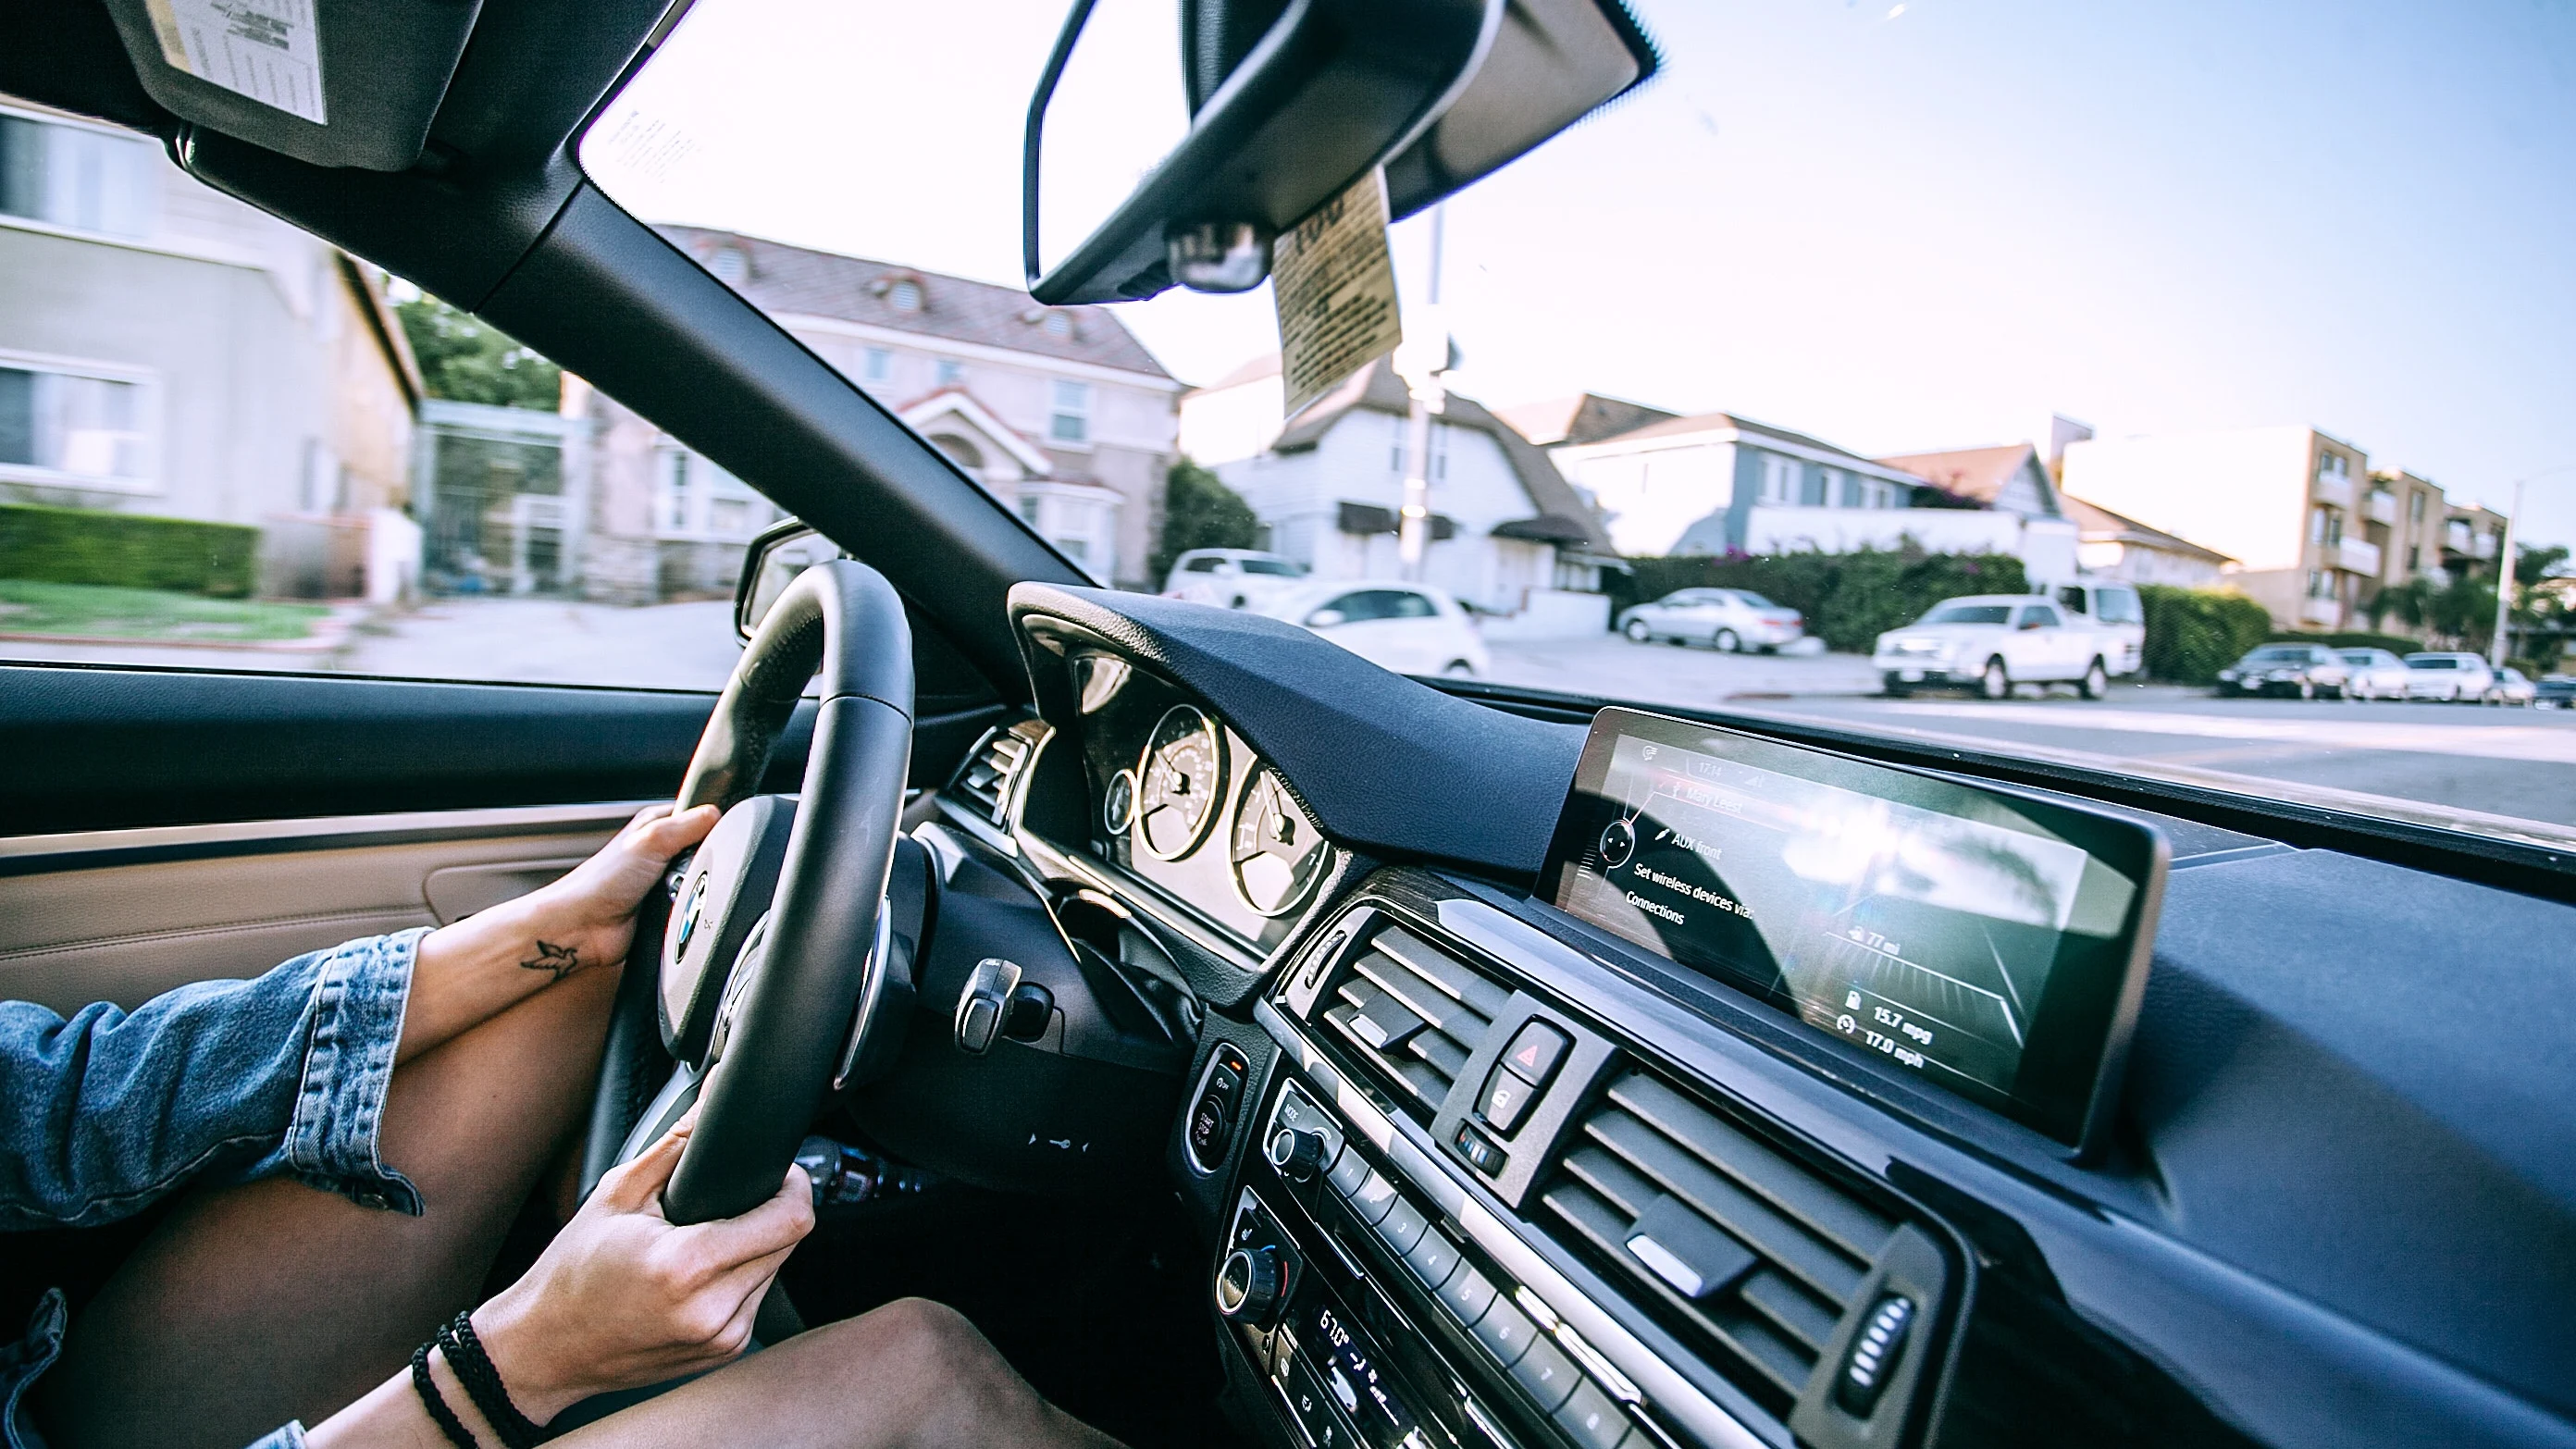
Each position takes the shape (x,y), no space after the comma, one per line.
(2316,536)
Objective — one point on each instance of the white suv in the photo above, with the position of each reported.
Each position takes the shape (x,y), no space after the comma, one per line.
(2443,675)
(1991,642)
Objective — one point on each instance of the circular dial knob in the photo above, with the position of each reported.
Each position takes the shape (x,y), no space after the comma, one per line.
(1249,1286)
(1297,1155)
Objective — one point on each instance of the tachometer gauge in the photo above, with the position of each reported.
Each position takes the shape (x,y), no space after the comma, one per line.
(1277,854)
(1178,783)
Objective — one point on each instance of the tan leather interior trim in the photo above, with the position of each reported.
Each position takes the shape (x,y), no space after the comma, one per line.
(243,898)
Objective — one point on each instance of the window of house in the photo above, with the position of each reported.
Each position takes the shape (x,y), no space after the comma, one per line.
(2415,508)
(1395,445)
(1844,489)
(730,266)
(66,424)
(905,295)
(1779,479)
(951,372)
(1030,504)
(2414,558)
(2335,466)
(1069,417)
(1058,324)
(77,176)
(876,365)
(695,498)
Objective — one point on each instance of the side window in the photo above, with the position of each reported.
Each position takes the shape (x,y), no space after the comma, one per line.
(2040,616)
(2121,606)
(1363,606)
(1206,565)
(227,445)
(2072,596)
(1406,604)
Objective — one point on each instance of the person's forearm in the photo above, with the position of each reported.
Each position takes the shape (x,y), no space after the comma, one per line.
(392,1416)
(470,972)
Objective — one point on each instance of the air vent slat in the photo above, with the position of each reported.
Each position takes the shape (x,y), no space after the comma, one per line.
(1757,1224)
(1755,1341)
(1480,995)
(1627,1189)
(1792,1308)
(1445,1013)
(1444,1056)
(1793,1189)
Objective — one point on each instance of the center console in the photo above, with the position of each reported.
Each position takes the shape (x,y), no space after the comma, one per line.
(1471,1213)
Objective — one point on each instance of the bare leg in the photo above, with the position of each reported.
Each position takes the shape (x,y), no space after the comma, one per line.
(913,1373)
(271,1301)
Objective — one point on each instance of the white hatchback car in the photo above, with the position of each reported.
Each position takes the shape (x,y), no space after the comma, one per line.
(1229,578)
(1409,628)
(1727,620)
(2449,676)
(2375,674)
(1990,643)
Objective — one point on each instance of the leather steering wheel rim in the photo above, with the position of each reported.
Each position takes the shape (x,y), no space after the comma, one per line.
(788,1014)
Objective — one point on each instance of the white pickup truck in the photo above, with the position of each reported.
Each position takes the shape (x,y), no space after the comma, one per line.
(1991,643)
(2111,609)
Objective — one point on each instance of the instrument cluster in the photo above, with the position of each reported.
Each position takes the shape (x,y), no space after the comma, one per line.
(1186,805)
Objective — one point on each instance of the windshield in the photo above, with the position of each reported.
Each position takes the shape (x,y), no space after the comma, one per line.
(2279,656)
(1269,566)
(1774,325)
(1969,614)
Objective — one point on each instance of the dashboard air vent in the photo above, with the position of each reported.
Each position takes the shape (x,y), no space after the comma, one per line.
(988,774)
(1415,1012)
(1740,1248)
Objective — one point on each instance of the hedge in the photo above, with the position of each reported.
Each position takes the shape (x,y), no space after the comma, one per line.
(2194,633)
(1847,599)
(90,546)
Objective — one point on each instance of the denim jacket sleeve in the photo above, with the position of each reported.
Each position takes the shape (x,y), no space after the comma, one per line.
(105,1111)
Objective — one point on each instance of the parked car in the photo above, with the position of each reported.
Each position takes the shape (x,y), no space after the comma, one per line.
(2448,676)
(2373,674)
(1991,642)
(2300,670)
(1409,628)
(2555,691)
(2114,610)
(1229,577)
(1728,620)
(2511,687)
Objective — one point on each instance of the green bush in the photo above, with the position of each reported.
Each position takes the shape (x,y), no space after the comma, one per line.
(1199,511)
(2397,644)
(88,546)
(2194,633)
(1847,599)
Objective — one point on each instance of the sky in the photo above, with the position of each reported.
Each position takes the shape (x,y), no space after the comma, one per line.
(1898,227)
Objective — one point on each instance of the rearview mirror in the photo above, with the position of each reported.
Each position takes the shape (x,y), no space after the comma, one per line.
(781,552)
(1170,141)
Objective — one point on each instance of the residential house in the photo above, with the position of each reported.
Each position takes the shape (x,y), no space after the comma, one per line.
(2288,503)
(2115,546)
(1058,411)
(166,349)
(1507,534)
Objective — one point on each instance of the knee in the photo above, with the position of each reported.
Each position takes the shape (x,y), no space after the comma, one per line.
(947,1365)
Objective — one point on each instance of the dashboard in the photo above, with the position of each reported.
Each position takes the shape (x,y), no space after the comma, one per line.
(1657,1082)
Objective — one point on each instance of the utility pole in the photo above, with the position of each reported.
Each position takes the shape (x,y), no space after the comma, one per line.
(2496,651)
(1424,366)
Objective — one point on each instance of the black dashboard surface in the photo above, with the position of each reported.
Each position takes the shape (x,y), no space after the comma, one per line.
(2351,1099)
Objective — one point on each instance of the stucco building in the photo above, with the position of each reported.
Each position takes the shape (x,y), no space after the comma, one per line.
(165,349)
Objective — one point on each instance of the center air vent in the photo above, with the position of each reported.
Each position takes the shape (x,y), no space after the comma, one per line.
(1744,1251)
(989,774)
(1415,1012)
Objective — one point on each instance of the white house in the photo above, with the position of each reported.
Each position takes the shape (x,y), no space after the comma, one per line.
(1058,411)
(1508,535)
(1718,483)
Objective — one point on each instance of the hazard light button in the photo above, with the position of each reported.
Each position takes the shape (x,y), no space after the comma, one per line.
(1535,1051)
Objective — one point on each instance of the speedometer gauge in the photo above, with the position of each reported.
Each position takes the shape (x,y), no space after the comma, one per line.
(1179,783)
(1277,855)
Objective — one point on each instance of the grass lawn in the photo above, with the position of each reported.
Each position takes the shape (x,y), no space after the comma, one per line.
(103,611)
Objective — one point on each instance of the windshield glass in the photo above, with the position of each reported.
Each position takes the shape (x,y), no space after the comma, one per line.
(1269,566)
(1774,324)
(1753,600)
(1969,614)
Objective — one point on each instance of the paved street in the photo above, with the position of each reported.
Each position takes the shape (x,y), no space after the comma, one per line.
(2509,763)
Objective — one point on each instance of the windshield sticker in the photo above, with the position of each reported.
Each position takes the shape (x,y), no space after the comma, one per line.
(1335,285)
(268,50)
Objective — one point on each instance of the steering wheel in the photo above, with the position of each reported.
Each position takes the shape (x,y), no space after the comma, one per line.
(772,964)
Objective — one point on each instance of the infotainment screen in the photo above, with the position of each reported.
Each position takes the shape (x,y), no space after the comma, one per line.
(1986,941)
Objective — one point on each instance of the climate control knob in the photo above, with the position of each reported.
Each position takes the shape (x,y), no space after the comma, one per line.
(1298,1155)
(1249,1286)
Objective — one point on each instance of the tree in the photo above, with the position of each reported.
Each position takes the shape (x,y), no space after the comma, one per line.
(464,360)
(1199,512)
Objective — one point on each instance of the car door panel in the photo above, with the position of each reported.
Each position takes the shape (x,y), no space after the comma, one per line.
(125,915)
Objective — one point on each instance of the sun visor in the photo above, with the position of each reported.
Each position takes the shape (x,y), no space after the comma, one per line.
(330,82)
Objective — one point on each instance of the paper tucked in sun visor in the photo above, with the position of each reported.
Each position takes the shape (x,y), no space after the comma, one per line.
(334,85)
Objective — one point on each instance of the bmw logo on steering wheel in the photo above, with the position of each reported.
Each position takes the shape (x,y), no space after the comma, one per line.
(696,907)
